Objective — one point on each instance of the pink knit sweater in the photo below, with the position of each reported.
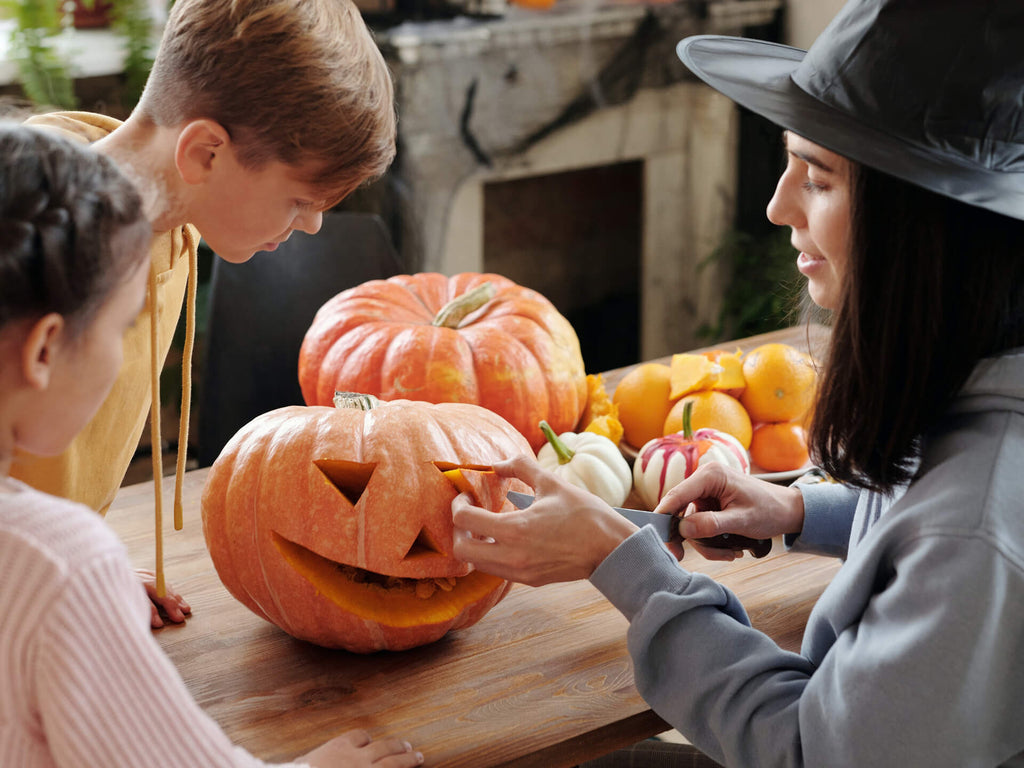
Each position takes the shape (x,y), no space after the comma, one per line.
(82,680)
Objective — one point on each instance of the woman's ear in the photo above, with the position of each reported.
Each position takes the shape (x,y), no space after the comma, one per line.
(200,144)
(40,350)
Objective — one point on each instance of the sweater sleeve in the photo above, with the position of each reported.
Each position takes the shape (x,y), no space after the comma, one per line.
(698,662)
(107,694)
(927,674)
(828,518)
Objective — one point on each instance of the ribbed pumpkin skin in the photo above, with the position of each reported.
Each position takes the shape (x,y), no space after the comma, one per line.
(517,355)
(265,496)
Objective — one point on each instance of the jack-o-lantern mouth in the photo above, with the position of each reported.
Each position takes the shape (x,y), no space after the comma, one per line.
(390,600)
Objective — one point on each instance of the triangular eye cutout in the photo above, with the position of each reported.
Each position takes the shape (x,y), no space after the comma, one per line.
(423,546)
(349,477)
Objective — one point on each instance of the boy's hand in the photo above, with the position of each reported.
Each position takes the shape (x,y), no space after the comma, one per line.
(172,604)
(355,749)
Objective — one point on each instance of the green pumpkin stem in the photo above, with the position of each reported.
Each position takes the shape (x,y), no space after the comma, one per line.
(355,400)
(454,311)
(561,449)
(687,422)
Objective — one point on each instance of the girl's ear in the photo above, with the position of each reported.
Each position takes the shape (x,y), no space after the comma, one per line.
(199,145)
(42,344)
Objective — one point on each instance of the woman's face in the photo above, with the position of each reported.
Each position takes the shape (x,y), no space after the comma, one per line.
(813,199)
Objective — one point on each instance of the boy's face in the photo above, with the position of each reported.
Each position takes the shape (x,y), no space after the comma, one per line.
(242,210)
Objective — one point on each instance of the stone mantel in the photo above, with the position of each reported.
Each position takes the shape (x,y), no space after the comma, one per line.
(531,93)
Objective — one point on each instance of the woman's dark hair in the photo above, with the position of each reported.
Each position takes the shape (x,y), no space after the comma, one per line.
(71,227)
(932,286)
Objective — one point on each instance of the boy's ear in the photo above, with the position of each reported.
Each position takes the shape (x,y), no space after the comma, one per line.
(199,145)
(40,350)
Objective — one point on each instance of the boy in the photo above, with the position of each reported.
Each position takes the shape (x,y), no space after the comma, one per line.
(258,115)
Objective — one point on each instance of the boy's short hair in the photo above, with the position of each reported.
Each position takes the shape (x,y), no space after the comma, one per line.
(297,81)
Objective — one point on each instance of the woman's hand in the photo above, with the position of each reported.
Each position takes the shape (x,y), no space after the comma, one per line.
(172,604)
(563,536)
(716,499)
(355,749)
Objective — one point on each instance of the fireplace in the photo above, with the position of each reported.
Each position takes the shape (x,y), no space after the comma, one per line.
(572,152)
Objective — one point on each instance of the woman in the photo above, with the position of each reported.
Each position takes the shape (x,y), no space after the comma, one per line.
(904,192)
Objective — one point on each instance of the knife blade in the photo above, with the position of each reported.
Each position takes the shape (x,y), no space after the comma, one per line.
(667,527)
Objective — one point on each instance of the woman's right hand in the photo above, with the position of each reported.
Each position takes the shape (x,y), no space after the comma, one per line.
(355,749)
(717,499)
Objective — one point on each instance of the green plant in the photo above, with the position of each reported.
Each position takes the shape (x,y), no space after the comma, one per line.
(44,77)
(44,74)
(762,289)
(130,18)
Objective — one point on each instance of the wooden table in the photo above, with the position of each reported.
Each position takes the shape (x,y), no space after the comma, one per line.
(543,680)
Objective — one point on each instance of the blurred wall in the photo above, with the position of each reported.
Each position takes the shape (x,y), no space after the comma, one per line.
(806,18)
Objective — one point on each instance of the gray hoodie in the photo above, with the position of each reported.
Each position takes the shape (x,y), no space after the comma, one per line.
(913,655)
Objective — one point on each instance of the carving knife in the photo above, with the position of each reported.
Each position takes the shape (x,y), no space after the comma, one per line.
(667,527)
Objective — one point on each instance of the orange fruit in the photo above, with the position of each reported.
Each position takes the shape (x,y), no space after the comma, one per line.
(689,373)
(642,399)
(716,369)
(779,446)
(780,383)
(730,378)
(711,409)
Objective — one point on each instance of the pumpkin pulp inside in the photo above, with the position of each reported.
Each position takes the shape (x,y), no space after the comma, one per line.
(384,599)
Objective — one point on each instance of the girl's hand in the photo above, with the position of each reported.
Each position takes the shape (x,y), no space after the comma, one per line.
(355,749)
(172,604)
(717,499)
(563,536)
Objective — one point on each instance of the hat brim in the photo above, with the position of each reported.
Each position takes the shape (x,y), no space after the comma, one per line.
(757,74)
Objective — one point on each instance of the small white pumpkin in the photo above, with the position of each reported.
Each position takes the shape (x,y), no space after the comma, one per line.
(664,462)
(589,461)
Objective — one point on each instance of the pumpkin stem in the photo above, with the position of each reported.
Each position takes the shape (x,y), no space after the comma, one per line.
(356,400)
(454,311)
(561,449)
(687,419)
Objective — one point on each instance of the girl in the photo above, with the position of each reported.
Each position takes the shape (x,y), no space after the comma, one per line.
(904,193)
(76,689)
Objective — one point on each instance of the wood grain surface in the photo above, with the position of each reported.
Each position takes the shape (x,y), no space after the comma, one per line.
(543,680)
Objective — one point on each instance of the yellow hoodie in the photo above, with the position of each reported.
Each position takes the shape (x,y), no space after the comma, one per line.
(90,471)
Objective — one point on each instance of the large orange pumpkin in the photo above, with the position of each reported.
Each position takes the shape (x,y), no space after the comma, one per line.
(471,338)
(335,523)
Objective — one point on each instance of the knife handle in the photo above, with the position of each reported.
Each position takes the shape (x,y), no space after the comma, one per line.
(757,547)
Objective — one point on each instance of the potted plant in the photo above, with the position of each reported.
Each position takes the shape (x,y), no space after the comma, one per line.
(44,74)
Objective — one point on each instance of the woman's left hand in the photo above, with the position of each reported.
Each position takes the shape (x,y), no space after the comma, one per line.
(563,536)
(172,604)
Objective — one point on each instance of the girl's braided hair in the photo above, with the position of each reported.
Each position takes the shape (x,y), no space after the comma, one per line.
(71,227)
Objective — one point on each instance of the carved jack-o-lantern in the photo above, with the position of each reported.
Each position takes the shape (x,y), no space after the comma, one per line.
(335,523)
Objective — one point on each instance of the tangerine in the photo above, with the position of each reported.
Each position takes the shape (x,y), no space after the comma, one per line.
(643,402)
(779,446)
(780,383)
(712,409)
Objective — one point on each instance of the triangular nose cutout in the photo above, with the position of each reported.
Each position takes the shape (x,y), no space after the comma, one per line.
(422,547)
(349,477)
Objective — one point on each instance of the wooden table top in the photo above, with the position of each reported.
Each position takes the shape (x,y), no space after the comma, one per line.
(544,679)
